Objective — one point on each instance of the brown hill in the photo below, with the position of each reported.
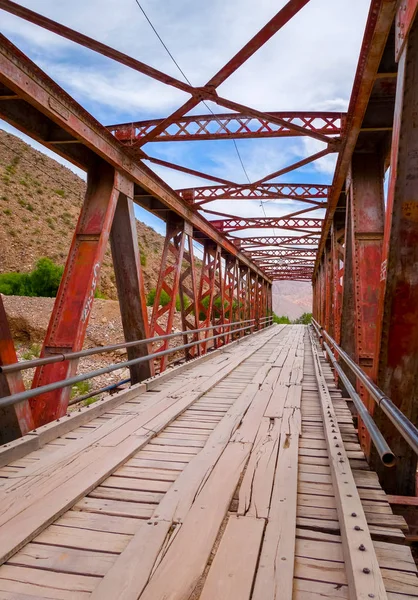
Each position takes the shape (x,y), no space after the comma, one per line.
(292,298)
(40,201)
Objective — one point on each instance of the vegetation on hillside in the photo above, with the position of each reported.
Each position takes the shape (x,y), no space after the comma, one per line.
(42,281)
(305,319)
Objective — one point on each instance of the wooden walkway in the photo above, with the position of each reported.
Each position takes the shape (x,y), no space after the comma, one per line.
(236,477)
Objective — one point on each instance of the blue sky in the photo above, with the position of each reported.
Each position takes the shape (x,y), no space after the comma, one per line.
(309,65)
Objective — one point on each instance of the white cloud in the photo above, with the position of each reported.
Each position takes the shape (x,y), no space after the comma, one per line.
(308,65)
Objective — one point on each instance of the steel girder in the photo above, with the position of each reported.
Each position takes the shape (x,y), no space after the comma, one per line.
(230,125)
(49,115)
(276,241)
(380,21)
(239,223)
(16,420)
(397,351)
(303,192)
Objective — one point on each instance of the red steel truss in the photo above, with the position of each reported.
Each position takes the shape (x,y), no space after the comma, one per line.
(235,125)
(252,242)
(292,191)
(239,223)
(363,269)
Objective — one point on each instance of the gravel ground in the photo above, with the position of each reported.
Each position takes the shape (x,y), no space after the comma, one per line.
(28,320)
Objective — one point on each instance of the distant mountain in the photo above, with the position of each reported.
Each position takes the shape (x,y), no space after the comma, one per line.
(292,298)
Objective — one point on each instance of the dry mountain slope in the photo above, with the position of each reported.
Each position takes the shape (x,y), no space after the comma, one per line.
(40,201)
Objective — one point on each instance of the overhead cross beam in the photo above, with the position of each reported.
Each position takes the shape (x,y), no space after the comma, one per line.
(252,242)
(303,192)
(239,223)
(231,125)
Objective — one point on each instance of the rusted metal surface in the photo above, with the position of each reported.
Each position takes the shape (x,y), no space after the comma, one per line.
(227,125)
(397,318)
(130,283)
(404,18)
(367,216)
(51,105)
(17,420)
(239,223)
(378,26)
(71,312)
(168,283)
(302,192)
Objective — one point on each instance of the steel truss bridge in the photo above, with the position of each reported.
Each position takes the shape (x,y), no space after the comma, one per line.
(83,494)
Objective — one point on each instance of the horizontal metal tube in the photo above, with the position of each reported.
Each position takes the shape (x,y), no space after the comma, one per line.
(106,388)
(407,429)
(15,398)
(39,362)
(386,455)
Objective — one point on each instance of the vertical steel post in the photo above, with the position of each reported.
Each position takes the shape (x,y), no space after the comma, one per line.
(70,315)
(168,282)
(188,293)
(367,216)
(16,420)
(129,280)
(398,310)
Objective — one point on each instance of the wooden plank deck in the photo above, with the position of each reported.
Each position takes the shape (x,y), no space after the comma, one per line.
(216,481)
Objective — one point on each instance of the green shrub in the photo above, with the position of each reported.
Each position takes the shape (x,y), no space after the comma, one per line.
(42,281)
(186,302)
(281,320)
(80,388)
(46,277)
(32,352)
(60,193)
(143,260)
(305,319)
(7,212)
(164,297)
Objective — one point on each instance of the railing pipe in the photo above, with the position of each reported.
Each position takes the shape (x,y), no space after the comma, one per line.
(386,455)
(407,429)
(15,398)
(38,362)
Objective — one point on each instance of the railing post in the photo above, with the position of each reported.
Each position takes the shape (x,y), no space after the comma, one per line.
(16,420)
(397,355)
(71,312)
(129,280)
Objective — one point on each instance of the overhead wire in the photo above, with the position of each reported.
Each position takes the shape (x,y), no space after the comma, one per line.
(189,82)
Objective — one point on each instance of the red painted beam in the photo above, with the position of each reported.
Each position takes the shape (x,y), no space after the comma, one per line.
(240,223)
(245,243)
(265,191)
(234,126)
(378,26)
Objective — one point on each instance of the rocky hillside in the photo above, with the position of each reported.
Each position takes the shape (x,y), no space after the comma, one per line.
(292,298)
(40,201)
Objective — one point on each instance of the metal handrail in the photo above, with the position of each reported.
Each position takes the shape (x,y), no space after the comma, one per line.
(61,357)
(407,429)
(386,455)
(27,394)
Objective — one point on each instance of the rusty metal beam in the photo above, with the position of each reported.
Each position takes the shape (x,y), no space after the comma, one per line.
(303,192)
(240,223)
(378,26)
(397,317)
(230,126)
(44,99)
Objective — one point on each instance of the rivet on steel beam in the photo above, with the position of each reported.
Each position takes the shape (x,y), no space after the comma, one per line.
(335,437)
(366,570)
(337,445)
(353,514)
(358,528)
(362,547)
(338,453)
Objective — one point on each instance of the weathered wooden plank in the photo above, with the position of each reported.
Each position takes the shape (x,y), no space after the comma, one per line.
(232,572)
